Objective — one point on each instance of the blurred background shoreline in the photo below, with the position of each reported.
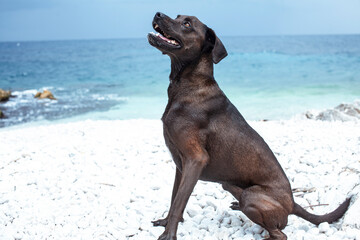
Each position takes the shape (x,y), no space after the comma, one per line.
(266,77)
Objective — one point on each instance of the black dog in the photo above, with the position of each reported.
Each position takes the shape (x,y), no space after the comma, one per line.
(210,140)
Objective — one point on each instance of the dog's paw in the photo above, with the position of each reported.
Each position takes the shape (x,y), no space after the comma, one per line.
(163,222)
(160,222)
(235,206)
(167,236)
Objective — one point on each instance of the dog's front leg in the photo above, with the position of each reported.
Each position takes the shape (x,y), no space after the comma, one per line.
(191,171)
(163,222)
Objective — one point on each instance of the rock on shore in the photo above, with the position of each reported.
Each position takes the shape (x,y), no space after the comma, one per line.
(45,94)
(4,95)
(342,112)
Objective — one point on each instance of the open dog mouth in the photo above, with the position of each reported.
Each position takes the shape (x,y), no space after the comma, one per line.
(161,35)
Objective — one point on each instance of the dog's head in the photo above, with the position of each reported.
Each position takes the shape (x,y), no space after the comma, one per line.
(185,38)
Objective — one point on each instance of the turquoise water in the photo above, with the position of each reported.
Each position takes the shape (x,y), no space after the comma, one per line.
(265,77)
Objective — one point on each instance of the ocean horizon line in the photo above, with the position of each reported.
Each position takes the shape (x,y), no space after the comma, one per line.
(137,38)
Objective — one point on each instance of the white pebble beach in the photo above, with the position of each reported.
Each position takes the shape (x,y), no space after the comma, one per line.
(110,179)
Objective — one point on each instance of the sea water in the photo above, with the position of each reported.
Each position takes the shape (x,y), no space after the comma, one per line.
(272,77)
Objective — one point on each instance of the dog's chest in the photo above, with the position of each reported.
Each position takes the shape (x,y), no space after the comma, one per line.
(169,119)
(172,148)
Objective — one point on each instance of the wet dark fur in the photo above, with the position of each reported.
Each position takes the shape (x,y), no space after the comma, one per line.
(210,140)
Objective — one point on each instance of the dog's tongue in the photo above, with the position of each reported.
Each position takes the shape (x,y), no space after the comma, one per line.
(174,42)
(163,38)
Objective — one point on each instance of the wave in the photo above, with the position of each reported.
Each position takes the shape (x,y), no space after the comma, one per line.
(343,112)
(22,107)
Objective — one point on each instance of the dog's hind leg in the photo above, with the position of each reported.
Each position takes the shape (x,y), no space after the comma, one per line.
(261,208)
(236,192)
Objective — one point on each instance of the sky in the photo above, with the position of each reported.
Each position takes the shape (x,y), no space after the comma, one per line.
(36,20)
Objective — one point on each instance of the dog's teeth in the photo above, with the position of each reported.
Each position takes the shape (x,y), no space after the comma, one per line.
(174,42)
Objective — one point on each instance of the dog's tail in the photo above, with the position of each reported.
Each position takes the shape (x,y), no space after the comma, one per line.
(317,219)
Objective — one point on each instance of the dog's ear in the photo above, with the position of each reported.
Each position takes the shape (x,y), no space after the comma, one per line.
(218,50)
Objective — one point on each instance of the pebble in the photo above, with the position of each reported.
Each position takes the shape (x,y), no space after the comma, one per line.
(304,227)
(257,229)
(314,231)
(193,210)
(324,227)
(235,221)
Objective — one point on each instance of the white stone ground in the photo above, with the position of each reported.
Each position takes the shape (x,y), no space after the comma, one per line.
(110,179)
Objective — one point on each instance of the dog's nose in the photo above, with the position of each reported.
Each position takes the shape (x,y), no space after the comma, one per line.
(159,15)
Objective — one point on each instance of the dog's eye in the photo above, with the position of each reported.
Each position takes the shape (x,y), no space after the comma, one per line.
(187,24)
